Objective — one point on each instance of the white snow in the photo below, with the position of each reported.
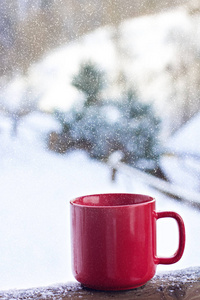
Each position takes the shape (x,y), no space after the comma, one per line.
(190,133)
(36,187)
(147,46)
(182,167)
(13,93)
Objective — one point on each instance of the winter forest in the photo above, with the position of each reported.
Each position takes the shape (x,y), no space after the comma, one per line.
(95,97)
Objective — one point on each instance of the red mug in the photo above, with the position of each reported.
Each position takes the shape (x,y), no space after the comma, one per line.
(114,240)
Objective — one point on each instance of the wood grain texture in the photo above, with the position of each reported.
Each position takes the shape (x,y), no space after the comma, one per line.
(182,284)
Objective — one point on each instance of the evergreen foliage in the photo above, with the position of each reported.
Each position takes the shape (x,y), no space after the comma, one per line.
(89,80)
(141,127)
(127,125)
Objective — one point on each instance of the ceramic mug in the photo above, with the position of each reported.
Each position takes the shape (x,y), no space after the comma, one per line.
(114,240)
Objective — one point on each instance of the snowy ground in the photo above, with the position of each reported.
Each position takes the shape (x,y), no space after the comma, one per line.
(36,187)
(183,167)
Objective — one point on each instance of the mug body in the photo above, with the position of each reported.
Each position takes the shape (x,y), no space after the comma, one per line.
(113,240)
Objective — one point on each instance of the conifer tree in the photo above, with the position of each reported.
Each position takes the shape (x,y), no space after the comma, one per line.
(90,81)
(105,126)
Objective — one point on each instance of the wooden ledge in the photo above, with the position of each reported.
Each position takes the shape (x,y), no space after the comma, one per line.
(182,284)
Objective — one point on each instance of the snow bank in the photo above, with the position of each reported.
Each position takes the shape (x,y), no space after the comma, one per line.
(182,166)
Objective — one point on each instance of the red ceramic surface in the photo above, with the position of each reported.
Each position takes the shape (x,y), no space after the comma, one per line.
(114,240)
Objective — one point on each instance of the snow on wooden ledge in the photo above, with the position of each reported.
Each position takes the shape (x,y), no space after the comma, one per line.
(182,284)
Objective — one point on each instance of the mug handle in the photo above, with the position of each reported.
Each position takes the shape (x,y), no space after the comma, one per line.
(178,254)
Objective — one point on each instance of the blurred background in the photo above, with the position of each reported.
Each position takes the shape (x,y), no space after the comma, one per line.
(95,96)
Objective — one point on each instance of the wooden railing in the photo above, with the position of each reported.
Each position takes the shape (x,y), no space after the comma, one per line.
(182,284)
(190,197)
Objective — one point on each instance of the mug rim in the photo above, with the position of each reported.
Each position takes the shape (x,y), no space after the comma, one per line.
(151,200)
